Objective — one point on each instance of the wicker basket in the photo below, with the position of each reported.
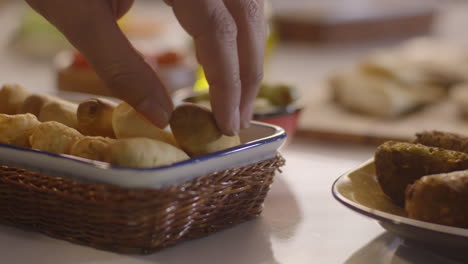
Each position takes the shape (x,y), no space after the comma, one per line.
(136,221)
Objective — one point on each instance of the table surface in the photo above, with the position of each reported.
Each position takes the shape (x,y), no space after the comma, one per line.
(301,222)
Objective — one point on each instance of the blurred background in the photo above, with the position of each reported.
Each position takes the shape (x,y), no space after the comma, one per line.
(343,70)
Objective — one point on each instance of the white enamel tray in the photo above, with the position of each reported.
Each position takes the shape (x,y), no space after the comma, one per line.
(259,142)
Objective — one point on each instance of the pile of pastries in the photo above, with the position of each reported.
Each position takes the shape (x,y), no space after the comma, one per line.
(429,177)
(392,82)
(106,131)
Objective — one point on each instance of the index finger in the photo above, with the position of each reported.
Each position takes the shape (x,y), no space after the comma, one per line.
(91,27)
(215,33)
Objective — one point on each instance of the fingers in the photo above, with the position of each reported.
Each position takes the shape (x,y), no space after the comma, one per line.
(249,17)
(90,26)
(120,7)
(215,33)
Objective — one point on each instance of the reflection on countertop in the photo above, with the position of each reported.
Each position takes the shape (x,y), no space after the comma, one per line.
(391,249)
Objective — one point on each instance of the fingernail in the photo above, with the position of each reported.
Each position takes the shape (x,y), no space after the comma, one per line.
(236,121)
(234,124)
(247,117)
(245,124)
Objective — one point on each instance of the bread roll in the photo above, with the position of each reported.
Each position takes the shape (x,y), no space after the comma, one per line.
(95,117)
(128,123)
(144,153)
(60,111)
(196,131)
(34,103)
(12,97)
(54,137)
(95,148)
(15,129)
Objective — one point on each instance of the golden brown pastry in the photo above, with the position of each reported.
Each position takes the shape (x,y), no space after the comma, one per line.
(54,137)
(60,111)
(15,129)
(12,97)
(144,153)
(128,123)
(440,199)
(95,148)
(34,103)
(196,131)
(95,117)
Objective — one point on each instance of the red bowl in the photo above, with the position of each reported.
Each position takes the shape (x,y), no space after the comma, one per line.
(287,118)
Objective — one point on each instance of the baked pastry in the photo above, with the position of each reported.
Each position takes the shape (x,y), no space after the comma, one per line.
(128,123)
(60,111)
(196,131)
(16,129)
(379,95)
(398,165)
(420,61)
(95,117)
(54,137)
(34,103)
(144,153)
(94,148)
(12,97)
(440,199)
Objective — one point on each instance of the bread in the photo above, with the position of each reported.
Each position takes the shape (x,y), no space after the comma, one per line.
(34,103)
(94,148)
(60,111)
(16,129)
(380,96)
(12,97)
(95,117)
(144,153)
(128,123)
(54,137)
(196,131)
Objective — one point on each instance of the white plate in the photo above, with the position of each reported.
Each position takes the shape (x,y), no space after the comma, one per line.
(359,191)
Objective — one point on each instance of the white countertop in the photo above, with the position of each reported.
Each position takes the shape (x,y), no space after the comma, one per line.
(301,222)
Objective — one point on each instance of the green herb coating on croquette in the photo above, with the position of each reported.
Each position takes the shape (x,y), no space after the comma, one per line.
(399,164)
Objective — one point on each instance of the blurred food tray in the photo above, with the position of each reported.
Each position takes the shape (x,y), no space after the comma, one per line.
(323,119)
(338,21)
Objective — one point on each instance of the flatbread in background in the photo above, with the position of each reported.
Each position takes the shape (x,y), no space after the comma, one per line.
(423,66)
(421,60)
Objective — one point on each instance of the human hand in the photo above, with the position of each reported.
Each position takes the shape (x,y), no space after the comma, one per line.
(229,38)
(90,25)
